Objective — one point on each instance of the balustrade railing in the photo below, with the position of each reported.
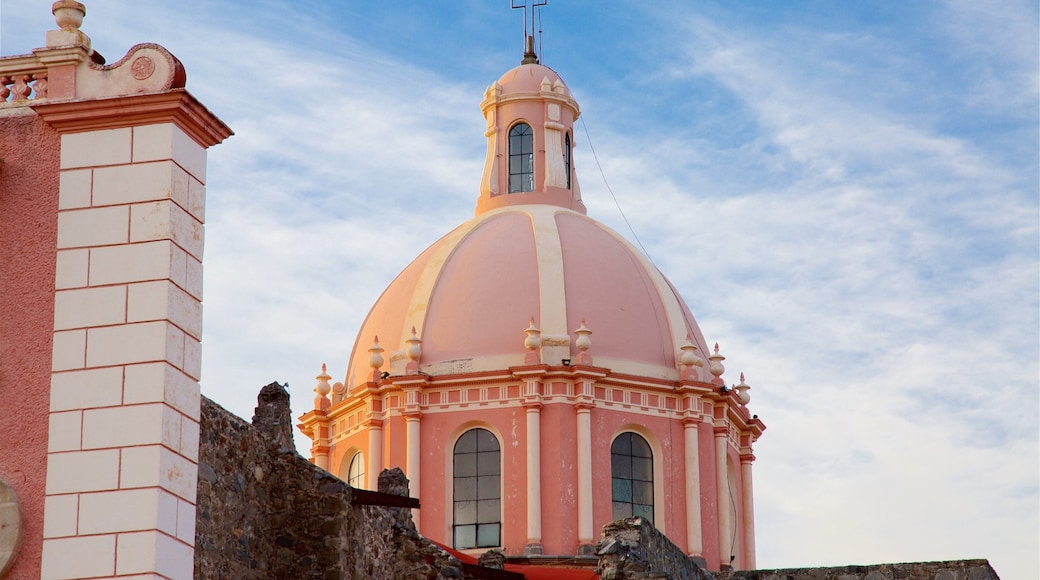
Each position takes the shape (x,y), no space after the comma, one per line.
(22,79)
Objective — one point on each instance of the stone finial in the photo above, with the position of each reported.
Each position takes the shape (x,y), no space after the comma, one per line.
(742,391)
(68,14)
(532,343)
(323,388)
(375,360)
(716,367)
(414,352)
(273,417)
(583,343)
(689,361)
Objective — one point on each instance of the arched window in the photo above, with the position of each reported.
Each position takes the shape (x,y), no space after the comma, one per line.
(567,157)
(356,473)
(632,477)
(477,516)
(521,158)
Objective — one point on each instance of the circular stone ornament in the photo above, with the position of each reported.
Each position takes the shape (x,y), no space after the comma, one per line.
(10,527)
(142,68)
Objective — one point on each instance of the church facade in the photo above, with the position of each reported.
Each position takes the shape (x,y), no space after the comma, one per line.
(536,376)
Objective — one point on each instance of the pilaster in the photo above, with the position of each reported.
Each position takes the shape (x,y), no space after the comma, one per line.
(124,417)
(722,496)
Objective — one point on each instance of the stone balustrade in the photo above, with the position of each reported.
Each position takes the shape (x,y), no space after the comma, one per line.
(22,79)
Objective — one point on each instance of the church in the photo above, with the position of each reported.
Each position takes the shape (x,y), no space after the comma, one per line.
(533,383)
(537,376)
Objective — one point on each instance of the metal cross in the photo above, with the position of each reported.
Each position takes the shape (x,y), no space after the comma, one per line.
(528,6)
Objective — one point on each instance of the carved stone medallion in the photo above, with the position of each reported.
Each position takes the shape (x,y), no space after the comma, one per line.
(10,527)
(142,68)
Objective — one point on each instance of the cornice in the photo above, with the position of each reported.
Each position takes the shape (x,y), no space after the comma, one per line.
(176,106)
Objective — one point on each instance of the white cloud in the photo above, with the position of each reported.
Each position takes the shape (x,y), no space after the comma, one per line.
(864,252)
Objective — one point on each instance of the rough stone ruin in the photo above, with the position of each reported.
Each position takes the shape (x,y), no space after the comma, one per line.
(266,512)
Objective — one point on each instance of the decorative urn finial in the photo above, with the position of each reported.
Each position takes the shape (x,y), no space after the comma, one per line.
(375,360)
(68,14)
(532,343)
(584,343)
(689,361)
(414,352)
(742,391)
(716,367)
(323,388)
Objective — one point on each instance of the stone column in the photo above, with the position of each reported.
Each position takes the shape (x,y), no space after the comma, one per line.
(723,503)
(749,510)
(534,479)
(124,422)
(412,468)
(586,540)
(375,451)
(694,540)
(320,443)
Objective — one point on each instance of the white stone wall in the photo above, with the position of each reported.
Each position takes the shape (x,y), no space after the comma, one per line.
(124,422)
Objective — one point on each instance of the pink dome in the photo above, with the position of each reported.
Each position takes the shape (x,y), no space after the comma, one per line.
(527,78)
(471,294)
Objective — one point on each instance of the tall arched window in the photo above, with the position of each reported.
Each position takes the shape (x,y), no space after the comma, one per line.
(521,158)
(567,157)
(632,477)
(477,515)
(356,473)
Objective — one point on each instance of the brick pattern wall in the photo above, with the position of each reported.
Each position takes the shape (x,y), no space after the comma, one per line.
(124,401)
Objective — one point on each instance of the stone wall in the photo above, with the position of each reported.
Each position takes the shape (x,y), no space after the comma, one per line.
(266,512)
(951,570)
(633,548)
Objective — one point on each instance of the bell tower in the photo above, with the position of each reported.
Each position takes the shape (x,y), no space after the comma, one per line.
(530,116)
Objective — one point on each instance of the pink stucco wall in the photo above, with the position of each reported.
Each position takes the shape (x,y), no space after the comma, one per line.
(28,238)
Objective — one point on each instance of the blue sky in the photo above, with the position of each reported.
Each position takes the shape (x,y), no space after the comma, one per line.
(845,193)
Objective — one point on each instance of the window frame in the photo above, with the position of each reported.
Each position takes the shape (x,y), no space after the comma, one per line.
(631,484)
(481,478)
(567,159)
(526,178)
(358,458)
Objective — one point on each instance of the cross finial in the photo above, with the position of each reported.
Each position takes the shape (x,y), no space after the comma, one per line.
(529,6)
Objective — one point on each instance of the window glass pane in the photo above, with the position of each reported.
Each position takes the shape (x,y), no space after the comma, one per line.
(486,440)
(465,537)
(488,463)
(620,466)
(640,448)
(645,511)
(621,489)
(622,510)
(527,164)
(487,535)
(642,469)
(514,143)
(488,511)
(514,183)
(465,464)
(467,443)
(489,487)
(465,488)
(356,474)
(643,492)
(622,445)
(514,164)
(465,512)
